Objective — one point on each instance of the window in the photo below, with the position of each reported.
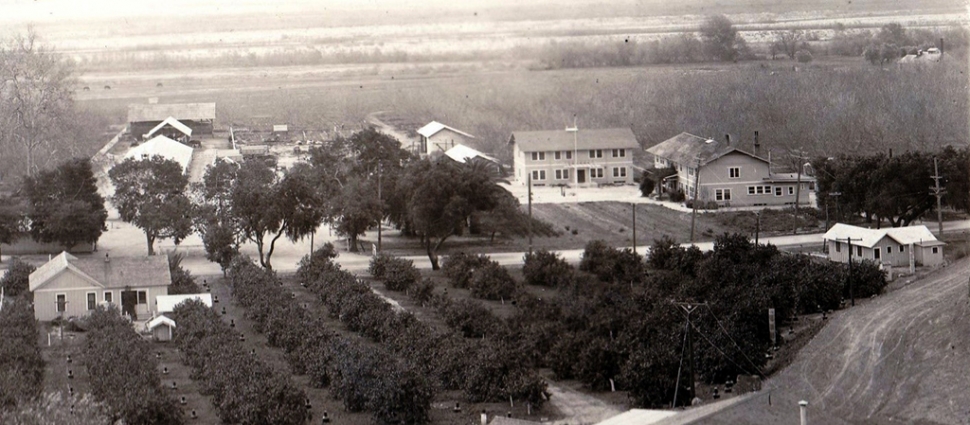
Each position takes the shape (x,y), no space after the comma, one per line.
(734,172)
(759,190)
(142,297)
(936,250)
(722,194)
(538,174)
(569,154)
(858,251)
(92,300)
(690,171)
(596,173)
(595,153)
(791,190)
(558,155)
(778,191)
(902,248)
(750,190)
(538,156)
(619,153)
(838,246)
(889,250)
(876,254)
(108,297)
(562,174)
(61,302)
(619,171)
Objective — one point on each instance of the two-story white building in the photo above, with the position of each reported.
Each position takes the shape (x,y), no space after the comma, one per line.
(574,157)
(728,175)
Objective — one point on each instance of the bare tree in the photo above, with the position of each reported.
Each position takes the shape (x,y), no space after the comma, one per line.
(36,101)
(788,43)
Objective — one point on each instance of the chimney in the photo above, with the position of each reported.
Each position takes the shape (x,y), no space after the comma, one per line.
(757,144)
(802,412)
(727,138)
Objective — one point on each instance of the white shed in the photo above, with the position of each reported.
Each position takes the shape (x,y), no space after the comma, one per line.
(162,328)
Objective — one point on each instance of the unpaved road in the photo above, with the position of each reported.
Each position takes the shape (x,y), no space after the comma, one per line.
(579,408)
(903,357)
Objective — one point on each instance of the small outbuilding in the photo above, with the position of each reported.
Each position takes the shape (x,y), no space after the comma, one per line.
(895,246)
(437,137)
(161,327)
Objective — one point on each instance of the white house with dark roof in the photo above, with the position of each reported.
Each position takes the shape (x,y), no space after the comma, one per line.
(583,157)
(69,286)
(891,246)
(437,137)
(164,147)
(729,176)
(200,117)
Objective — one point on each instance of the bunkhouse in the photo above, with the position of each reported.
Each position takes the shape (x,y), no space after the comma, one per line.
(143,117)
(437,137)
(895,246)
(69,286)
(729,176)
(574,157)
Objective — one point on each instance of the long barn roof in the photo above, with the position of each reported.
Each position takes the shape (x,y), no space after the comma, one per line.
(141,112)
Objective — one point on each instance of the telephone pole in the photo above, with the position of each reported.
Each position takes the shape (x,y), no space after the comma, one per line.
(693,214)
(689,308)
(529,181)
(380,203)
(938,192)
(798,184)
(849,278)
(634,227)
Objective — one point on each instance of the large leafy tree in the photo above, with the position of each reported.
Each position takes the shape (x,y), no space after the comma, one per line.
(212,218)
(721,39)
(151,194)
(65,206)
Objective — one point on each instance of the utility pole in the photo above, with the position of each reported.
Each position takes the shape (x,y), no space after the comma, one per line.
(798,185)
(529,181)
(693,214)
(938,192)
(757,227)
(380,202)
(849,278)
(634,227)
(689,308)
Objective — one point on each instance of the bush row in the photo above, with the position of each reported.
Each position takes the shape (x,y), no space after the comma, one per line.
(398,274)
(544,268)
(244,390)
(485,278)
(611,264)
(124,373)
(363,377)
(484,369)
(21,364)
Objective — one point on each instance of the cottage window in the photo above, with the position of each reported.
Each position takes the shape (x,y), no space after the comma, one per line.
(619,171)
(902,248)
(92,300)
(889,250)
(778,191)
(722,194)
(750,190)
(569,154)
(619,153)
(108,297)
(562,174)
(734,172)
(60,301)
(838,246)
(142,297)
(596,173)
(791,190)
(858,251)
(557,155)
(876,254)
(936,250)
(538,174)
(538,156)
(595,153)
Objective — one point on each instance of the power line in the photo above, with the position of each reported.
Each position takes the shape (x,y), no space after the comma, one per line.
(734,342)
(741,368)
(683,346)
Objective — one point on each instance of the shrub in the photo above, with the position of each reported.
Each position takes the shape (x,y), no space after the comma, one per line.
(319,262)
(21,363)
(610,264)
(16,280)
(492,282)
(867,279)
(677,195)
(182,280)
(803,56)
(400,274)
(378,265)
(647,185)
(423,291)
(544,268)
(459,267)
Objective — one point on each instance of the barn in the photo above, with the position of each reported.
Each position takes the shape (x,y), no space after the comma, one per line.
(199,117)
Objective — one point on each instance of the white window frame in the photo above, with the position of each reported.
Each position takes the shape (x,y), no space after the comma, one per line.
(838,246)
(734,172)
(138,297)
(538,156)
(108,294)
(751,190)
(889,250)
(778,191)
(569,154)
(619,153)
(557,154)
(791,190)
(722,194)
(90,300)
(57,306)
(877,253)
(595,153)
(936,250)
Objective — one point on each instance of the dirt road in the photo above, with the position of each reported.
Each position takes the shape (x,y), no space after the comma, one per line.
(901,357)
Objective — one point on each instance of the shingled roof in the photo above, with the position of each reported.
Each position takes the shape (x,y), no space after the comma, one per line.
(107,272)
(584,139)
(918,235)
(685,148)
(141,112)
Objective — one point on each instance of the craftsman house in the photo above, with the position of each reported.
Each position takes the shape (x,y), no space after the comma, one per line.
(728,175)
(894,246)
(69,286)
(437,137)
(574,157)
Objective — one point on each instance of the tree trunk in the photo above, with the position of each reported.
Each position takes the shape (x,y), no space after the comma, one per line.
(151,243)
(432,255)
(352,243)
(259,249)
(272,247)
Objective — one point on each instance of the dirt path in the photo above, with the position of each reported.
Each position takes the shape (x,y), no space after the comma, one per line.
(579,408)
(407,142)
(900,357)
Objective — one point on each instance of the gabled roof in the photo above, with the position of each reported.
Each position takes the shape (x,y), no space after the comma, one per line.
(158,321)
(583,139)
(174,123)
(461,153)
(141,112)
(164,147)
(167,303)
(868,238)
(434,126)
(686,148)
(138,272)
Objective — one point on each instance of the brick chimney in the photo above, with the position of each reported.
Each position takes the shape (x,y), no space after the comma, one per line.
(757,144)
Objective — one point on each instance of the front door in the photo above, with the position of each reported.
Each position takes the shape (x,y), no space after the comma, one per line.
(580,176)
(128,301)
